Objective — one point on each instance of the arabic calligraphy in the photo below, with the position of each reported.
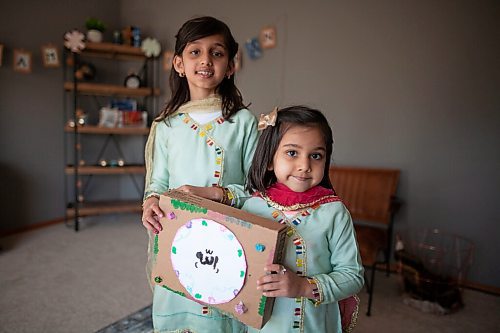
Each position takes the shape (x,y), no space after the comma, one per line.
(208,259)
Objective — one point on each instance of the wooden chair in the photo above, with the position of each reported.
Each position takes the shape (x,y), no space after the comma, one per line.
(369,194)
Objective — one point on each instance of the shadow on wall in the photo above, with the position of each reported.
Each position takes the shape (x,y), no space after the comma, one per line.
(13,196)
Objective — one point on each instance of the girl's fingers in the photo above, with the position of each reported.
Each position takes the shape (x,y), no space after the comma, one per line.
(275,269)
(151,218)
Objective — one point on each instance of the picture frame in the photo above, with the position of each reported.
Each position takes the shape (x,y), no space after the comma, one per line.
(22,61)
(1,54)
(50,56)
(267,37)
(168,57)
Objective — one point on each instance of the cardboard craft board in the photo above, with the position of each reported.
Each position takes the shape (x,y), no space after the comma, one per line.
(214,254)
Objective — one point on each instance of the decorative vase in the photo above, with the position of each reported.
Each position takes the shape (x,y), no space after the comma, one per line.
(94,36)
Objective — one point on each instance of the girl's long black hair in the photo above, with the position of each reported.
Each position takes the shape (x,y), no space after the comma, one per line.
(192,30)
(259,177)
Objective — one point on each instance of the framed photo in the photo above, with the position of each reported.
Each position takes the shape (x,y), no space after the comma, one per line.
(50,56)
(22,61)
(168,57)
(1,54)
(267,37)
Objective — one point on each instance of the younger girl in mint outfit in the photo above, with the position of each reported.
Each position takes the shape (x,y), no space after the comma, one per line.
(205,137)
(290,185)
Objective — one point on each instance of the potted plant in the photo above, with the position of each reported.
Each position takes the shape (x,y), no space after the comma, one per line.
(95,28)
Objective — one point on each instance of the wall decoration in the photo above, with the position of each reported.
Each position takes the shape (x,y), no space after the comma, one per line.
(151,47)
(267,37)
(1,54)
(168,57)
(74,41)
(208,254)
(50,56)
(253,48)
(22,61)
(238,61)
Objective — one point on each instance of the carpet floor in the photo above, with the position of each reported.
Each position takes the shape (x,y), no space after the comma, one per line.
(56,280)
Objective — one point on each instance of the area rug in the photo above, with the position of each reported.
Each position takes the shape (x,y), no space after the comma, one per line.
(137,322)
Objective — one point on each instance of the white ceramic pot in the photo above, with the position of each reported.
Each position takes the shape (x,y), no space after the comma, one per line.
(94,36)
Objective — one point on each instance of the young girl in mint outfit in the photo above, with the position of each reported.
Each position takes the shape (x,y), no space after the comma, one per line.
(315,286)
(290,185)
(204,137)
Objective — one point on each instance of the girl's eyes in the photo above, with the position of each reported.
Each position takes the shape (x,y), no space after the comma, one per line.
(216,54)
(314,156)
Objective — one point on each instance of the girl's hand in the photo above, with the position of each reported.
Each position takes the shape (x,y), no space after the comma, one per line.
(211,193)
(280,282)
(151,214)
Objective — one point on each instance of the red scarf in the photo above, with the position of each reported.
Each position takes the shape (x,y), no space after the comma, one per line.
(288,199)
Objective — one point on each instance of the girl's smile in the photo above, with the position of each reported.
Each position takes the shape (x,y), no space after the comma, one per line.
(299,162)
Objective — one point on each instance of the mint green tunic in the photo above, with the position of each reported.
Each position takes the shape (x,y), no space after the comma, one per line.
(184,152)
(321,244)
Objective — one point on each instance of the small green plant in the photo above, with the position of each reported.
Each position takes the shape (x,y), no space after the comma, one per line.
(95,24)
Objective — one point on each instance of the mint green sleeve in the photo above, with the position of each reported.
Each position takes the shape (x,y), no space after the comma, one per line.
(158,182)
(346,279)
(238,190)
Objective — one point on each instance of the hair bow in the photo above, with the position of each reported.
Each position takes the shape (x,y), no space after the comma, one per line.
(267,119)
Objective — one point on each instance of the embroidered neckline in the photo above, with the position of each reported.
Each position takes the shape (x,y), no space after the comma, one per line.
(209,104)
(325,199)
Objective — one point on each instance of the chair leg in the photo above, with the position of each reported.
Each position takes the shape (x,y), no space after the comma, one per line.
(372,284)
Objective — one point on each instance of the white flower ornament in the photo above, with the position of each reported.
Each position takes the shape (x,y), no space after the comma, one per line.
(74,41)
(151,47)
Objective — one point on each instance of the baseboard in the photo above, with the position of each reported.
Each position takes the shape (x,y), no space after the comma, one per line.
(31,227)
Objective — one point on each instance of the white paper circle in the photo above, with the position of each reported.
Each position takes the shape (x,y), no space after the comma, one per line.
(209,261)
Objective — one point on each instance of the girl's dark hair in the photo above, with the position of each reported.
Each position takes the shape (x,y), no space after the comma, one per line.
(259,177)
(192,30)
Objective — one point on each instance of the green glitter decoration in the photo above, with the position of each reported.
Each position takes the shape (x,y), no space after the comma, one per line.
(177,204)
(197,296)
(158,279)
(174,250)
(262,305)
(240,252)
(204,223)
(242,273)
(175,291)
(155,247)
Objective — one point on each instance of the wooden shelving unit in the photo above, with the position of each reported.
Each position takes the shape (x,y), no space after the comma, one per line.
(101,89)
(88,129)
(99,170)
(82,173)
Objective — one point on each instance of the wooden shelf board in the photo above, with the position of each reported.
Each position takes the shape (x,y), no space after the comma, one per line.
(111,48)
(99,170)
(89,129)
(103,89)
(105,207)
